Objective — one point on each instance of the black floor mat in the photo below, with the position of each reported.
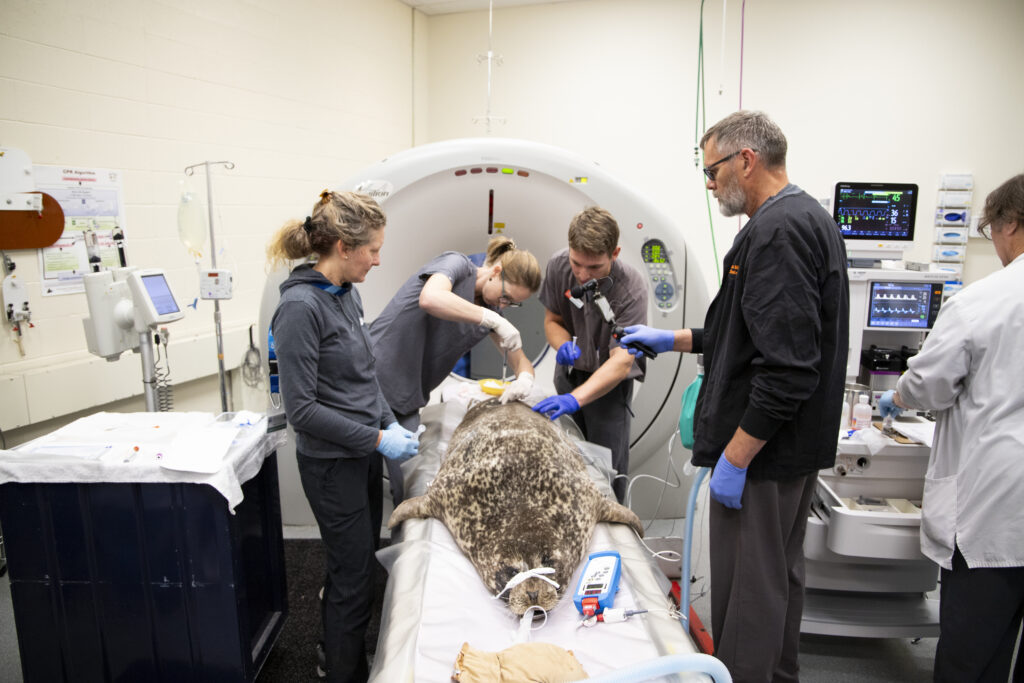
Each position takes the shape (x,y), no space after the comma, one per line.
(293,657)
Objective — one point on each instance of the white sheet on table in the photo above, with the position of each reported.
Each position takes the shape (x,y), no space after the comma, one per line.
(124,447)
(200,448)
(457,608)
(420,636)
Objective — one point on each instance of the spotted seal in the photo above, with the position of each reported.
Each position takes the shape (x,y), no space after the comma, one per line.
(514,493)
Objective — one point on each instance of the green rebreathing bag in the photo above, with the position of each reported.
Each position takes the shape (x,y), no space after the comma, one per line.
(689,406)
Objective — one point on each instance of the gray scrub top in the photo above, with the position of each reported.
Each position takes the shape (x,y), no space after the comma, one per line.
(414,350)
(626,292)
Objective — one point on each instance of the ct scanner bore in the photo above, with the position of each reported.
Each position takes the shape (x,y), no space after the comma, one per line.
(455,195)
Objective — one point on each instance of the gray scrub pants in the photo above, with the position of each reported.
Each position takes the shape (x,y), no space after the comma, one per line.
(410,421)
(605,421)
(757,579)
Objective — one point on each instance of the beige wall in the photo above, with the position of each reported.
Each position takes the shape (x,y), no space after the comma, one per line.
(298,95)
(302,94)
(875,90)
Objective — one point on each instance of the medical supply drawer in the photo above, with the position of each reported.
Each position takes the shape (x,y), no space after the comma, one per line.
(864,523)
(144,581)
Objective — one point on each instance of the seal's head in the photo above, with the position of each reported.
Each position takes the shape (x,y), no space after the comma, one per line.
(538,590)
(533,592)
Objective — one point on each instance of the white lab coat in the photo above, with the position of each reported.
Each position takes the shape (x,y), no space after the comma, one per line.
(970,371)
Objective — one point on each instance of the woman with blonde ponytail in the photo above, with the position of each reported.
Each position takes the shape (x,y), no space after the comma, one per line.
(334,403)
(439,314)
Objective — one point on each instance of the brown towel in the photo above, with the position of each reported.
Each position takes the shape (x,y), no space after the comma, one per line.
(522,663)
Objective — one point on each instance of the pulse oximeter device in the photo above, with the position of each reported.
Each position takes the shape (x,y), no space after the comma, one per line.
(598,583)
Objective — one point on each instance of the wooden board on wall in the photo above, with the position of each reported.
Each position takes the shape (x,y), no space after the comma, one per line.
(32,230)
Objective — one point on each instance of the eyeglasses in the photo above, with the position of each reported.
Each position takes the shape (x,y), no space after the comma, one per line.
(709,170)
(505,299)
(985,231)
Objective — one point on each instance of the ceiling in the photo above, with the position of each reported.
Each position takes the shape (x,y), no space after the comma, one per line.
(454,6)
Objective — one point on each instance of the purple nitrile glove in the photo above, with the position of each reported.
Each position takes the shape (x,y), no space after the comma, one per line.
(556,406)
(659,341)
(567,353)
(727,483)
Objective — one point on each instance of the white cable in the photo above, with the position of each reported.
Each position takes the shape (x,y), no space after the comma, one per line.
(662,554)
(669,468)
(661,495)
(695,557)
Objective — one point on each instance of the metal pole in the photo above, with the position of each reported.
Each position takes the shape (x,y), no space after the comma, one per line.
(148,369)
(213,263)
(216,302)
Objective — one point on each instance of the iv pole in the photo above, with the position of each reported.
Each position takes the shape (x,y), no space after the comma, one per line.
(213,264)
(491,60)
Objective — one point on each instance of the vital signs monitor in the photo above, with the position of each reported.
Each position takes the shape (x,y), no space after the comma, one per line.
(875,219)
(153,297)
(876,211)
(904,305)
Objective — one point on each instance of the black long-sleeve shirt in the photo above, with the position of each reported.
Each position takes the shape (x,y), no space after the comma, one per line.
(775,341)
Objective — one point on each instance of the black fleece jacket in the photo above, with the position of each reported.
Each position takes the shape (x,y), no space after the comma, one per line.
(775,341)
(328,378)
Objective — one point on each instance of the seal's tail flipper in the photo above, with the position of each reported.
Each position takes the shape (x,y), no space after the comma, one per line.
(610,511)
(408,509)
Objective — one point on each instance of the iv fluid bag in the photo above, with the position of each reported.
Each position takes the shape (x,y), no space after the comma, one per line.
(191,219)
(689,406)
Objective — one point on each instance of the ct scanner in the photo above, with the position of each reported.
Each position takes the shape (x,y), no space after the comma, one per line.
(455,195)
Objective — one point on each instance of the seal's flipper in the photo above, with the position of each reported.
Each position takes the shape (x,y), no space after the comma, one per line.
(609,511)
(410,508)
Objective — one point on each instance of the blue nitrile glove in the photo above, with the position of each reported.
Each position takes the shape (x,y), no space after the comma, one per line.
(727,483)
(567,353)
(659,341)
(396,427)
(558,405)
(887,406)
(398,444)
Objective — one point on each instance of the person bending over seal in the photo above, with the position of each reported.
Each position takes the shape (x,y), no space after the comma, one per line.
(594,379)
(439,314)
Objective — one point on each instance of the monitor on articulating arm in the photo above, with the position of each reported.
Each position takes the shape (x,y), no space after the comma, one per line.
(125,307)
(125,304)
(153,298)
(876,219)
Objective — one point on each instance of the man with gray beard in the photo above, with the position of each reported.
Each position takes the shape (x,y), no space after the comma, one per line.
(775,343)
